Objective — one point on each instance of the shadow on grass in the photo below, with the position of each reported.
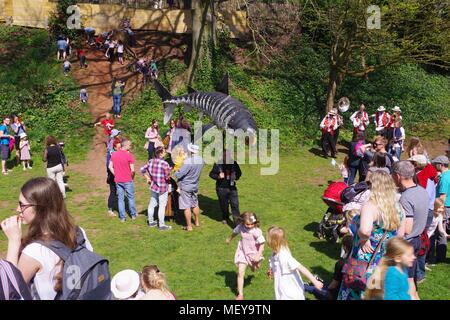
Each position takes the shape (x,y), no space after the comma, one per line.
(230,278)
(317,152)
(324,274)
(332,250)
(312,227)
(210,207)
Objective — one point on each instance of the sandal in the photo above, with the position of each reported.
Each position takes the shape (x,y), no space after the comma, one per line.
(187,229)
(5,173)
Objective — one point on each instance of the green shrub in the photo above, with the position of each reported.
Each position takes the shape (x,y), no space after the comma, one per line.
(32,85)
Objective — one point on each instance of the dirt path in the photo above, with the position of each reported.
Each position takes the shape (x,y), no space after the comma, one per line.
(97,79)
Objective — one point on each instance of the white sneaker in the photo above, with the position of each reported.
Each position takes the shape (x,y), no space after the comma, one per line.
(24,169)
(29,168)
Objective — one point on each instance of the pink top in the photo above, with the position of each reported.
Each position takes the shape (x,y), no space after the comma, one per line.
(121,163)
(151,134)
(248,246)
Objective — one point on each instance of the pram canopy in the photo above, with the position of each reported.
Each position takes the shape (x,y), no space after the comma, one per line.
(332,195)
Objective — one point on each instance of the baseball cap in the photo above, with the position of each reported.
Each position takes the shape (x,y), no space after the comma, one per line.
(419,158)
(440,159)
(114,133)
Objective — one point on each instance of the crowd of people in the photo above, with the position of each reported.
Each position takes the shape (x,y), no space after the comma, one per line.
(396,226)
(396,215)
(388,126)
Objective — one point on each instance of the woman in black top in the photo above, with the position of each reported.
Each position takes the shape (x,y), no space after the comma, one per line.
(55,166)
(355,158)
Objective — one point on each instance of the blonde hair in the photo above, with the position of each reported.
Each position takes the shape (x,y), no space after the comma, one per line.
(438,203)
(395,248)
(381,139)
(383,194)
(276,239)
(152,278)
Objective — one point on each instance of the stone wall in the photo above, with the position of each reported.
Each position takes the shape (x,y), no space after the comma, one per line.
(104,17)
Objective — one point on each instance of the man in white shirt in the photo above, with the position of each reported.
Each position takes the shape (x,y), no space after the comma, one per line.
(382,120)
(360,120)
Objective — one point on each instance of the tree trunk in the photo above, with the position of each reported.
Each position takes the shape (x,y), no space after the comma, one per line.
(332,86)
(200,34)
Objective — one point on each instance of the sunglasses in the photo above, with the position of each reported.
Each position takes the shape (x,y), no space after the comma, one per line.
(377,144)
(249,224)
(23,207)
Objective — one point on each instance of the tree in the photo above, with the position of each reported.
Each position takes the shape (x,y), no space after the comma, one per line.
(58,20)
(202,34)
(410,31)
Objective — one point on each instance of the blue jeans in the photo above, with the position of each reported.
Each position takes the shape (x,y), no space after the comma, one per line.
(420,271)
(319,294)
(151,150)
(397,152)
(128,188)
(116,103)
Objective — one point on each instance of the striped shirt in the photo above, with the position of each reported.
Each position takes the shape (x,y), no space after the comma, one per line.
(159,171)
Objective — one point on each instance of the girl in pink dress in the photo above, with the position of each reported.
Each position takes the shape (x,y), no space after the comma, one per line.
(25,155)
(250,248)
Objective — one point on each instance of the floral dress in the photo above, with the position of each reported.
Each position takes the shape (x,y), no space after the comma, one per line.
(346,293)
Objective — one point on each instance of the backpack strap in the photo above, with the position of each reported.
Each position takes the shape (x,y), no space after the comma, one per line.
(8,275)
(60,249)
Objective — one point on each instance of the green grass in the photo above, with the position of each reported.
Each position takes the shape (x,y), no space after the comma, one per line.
(199,265)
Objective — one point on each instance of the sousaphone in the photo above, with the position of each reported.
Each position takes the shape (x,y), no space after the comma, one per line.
(343,104)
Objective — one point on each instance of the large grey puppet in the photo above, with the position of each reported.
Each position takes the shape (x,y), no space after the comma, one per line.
(226,112)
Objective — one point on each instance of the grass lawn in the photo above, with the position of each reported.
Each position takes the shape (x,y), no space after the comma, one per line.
(199,265)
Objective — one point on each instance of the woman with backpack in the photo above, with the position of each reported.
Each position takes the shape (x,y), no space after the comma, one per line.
(55,162)
(381,219)
(42,208)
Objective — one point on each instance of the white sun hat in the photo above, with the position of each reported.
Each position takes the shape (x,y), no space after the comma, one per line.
(125,284)
(381,108)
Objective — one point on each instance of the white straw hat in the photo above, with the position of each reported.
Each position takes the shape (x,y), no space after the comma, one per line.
(125,283)
(381,108)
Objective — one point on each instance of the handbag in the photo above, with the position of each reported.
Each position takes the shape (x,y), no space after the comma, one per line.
(146,145)
(166,142)
(354,270)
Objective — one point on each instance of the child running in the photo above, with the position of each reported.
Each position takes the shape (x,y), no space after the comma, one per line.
(25,155)
(250,248)
(390,279)
(285,269)
(84,95)
(66,67)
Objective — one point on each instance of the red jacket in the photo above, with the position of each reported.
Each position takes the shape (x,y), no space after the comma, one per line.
(429,172)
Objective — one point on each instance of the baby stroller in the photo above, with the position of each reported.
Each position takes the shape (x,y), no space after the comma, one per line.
(334,219)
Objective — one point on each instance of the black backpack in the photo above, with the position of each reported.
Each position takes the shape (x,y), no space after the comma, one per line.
(349,193)
(85,275)
(12,284)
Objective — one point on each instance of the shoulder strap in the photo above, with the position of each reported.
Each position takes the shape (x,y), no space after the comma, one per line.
(377,249)
(60,249)
(9,274)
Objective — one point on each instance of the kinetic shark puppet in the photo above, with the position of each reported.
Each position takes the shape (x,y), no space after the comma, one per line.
(226,112)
